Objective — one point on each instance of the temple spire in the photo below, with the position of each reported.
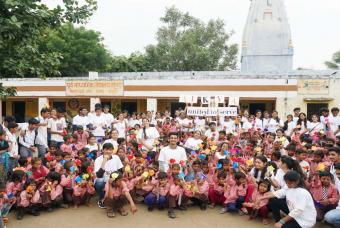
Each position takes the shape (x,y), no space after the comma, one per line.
(267,44)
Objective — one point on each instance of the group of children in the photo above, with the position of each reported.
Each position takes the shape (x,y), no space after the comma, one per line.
(250,172)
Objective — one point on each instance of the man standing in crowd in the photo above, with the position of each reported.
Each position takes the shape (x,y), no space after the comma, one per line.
(27,139)
(57,127)
(41,138)
(296,114)
(81,119)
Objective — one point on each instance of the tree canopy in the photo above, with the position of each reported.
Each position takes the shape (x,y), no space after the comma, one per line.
(81,50)
(23,23)
(185,43)
(335,62)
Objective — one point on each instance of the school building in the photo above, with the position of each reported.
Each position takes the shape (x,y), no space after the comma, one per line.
(159,91)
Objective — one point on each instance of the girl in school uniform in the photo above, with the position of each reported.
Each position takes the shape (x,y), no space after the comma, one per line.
(159,193)
(116,194)
(28,201)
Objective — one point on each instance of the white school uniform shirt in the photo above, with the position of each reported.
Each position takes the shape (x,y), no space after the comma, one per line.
(57,125)
(210,134)
(334,122)
(247,125)
(290,126)
(185,122)
(192,143)
(315,127)
(133,122)
(151,135)
(295,119)
(265,123)
(12,138)
(273,125)
(166,154)
(108,119)
(258,124)
(81,121)
(112,141)
(41,138)
(300,204)
(228,126)
(120,127)
(28,139)
(199,124)
(337,184)
(99,122)
(111,165)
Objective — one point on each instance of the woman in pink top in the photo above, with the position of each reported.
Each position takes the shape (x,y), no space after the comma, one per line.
(116,193)
(28,201)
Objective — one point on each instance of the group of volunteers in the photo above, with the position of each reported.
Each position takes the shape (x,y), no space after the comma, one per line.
(284,171)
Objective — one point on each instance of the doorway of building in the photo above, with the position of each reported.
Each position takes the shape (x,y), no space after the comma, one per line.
(18,110)
(314,108)
(256,106)
(131,107)
(175,106)
(3,106)
(59,104)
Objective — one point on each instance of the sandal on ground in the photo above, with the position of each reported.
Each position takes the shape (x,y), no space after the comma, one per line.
(122,212)
(171,214)
(110,214)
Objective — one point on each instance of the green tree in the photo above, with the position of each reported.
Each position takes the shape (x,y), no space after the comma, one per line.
(23,23)
(136,62)
(7,92)
(335,63)
(81,50)
(185,43)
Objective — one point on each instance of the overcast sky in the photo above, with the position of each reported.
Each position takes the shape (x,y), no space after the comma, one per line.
(130,25)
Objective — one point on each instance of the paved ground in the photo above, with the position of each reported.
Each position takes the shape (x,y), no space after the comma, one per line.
(95,217)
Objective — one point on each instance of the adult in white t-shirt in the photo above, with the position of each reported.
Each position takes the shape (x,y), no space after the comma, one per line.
(199,123)
(104,165)
(212,132)
(113,139)
(315,125)
(56,127)
(227,125)
(173,152)
(275,122)
(193,143)
(147,136)
(120,125)
(41,138)
(186,124)
(81,119)
(109,118)
(98,122)
(301,209)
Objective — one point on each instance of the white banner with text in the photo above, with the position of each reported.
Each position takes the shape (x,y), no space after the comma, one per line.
(211,111)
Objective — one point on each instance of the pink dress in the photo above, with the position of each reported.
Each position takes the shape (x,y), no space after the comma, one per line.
(25,200)
(115,192)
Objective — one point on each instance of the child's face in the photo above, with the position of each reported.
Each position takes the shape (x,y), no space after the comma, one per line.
(325,181)
(271,138)
(53,149)
(175,170)
(163,181)
(205,168)
(2,137)
(139,159)
(92,140)
(302,156)
(58,158)
(67,158)
(259,164)
(196,168)
(333,156)
(121,153)
(317,158)
(37,164)
(242,181)
(33,186)
(263,188)
(291,184)
(291,153)
(221,180)
(225,167)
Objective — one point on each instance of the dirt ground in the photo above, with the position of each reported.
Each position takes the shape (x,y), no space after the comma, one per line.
(95,217)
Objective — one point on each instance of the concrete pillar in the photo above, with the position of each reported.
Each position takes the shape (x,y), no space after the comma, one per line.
(151,105)
(43,102)
(93,102)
